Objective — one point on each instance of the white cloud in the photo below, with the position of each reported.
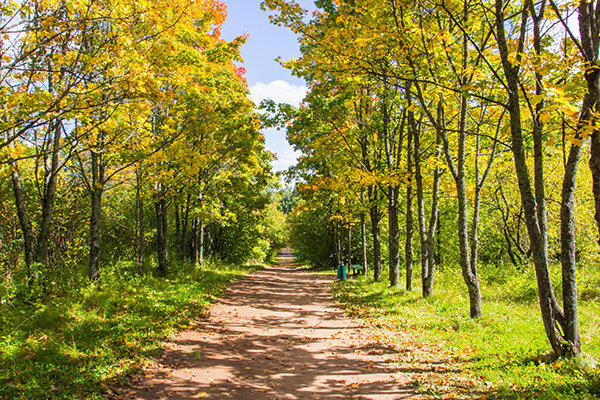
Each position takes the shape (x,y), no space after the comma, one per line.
(286,155)
(278,91)
(284,161)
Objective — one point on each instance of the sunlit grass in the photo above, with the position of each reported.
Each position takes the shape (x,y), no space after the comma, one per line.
(505,354)
(80,345)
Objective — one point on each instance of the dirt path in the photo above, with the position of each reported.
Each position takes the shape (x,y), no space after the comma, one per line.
(276,334)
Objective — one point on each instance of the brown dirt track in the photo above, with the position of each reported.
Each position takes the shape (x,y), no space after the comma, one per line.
(276,334)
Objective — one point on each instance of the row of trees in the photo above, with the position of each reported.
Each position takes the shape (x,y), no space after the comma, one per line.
(113,108)
(416,107)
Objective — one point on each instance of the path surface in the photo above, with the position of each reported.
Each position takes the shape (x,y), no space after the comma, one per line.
(276,334)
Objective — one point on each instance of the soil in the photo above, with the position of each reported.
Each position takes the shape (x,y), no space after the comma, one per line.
(276,334)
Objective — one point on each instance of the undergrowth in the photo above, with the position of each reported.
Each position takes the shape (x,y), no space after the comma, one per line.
(503,355)
(78,345)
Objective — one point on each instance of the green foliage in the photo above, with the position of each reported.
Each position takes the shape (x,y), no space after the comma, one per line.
(287,198)
(275,230)
(252,233)
(502,355)
(78,345)
(311,237)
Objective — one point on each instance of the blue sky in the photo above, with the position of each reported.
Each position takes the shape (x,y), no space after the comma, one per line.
(266,78)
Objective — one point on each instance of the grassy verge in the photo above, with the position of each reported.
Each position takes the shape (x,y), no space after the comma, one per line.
(503,355)
(77,346)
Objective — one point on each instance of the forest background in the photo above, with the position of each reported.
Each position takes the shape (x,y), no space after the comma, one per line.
(136,184)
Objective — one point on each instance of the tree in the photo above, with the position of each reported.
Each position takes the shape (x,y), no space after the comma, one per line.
(564,340)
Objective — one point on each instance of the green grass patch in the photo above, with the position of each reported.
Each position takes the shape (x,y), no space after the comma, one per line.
(505,354)
(79,345)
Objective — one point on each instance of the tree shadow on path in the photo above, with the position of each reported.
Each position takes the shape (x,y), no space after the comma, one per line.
(277,334)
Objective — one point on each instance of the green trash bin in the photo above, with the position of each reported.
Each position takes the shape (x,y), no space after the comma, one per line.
(341,272)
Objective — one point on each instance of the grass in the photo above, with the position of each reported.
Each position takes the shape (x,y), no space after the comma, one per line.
(79,345)
(504,355)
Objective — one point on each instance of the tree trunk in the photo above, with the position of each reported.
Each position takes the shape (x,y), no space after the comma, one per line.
(36,247)
(97,189)
(184,228)
(49,196)
(467,243)
(201,243)
(472,278)
(468,266)
(551,312)
(394,236)
(349,249)
(425,278)
(140,225)
(376,233)
(589,30)
(161,235)
(430,235)
(538,141)
(408,244)
(194,242)
(25,222)
(210,243)
(177,225)
(568,252)
(337,242)
(363,234)
(594,165)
